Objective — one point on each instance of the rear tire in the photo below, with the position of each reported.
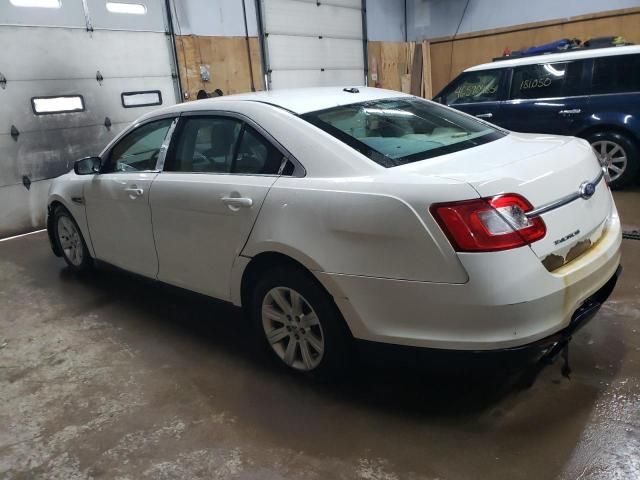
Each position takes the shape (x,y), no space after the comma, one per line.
(619,153)
(70,242)
(299,324)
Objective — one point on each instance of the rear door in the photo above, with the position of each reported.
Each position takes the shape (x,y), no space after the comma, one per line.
(117,199)
(207,198)
(547,98)
(477,93)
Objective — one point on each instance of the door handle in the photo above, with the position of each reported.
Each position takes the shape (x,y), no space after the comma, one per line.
(237,202)
(573,111)
(484,115)
(134,191)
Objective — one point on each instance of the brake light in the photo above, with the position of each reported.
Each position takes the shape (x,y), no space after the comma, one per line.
(489,224)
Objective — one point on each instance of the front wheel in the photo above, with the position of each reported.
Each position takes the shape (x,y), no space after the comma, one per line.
(299,323)
(70,241)
(619,154)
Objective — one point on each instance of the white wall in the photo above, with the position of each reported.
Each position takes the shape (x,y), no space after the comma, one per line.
(214,17)
(385,20)
(438,18)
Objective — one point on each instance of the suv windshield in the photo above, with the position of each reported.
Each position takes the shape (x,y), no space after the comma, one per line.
(398,131)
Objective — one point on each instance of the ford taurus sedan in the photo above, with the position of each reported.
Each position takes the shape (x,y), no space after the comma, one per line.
(337,214)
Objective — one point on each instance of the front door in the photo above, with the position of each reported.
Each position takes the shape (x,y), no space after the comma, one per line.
(206,201)
(117,200)
(547,98)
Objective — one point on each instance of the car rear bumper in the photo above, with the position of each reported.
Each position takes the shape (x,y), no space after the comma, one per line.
(580,317)
(509,301)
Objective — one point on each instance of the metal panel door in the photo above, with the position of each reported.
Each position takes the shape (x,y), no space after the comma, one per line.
(309,43)
(79,49)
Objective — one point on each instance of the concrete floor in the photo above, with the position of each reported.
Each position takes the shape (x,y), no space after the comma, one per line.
(112,376)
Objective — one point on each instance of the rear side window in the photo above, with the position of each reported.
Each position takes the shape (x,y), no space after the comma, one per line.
(222,145)
(546,80)
(474,87)
(617,74)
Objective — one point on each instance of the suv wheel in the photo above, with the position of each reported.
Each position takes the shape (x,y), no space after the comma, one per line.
(620,155)
(299,322)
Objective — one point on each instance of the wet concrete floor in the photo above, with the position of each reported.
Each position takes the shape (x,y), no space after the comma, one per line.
(113,376)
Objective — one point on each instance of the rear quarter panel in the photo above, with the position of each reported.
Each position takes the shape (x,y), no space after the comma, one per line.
(360,227)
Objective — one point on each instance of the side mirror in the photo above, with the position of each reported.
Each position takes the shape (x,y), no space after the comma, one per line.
(87,166)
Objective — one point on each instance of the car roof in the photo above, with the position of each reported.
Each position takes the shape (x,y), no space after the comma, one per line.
(558,57)
(301,100)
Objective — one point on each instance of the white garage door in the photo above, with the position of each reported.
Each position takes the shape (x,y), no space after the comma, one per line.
(313,43)
(73,73)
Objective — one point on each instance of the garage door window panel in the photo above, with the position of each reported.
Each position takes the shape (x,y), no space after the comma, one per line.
(139,150)
(57,104)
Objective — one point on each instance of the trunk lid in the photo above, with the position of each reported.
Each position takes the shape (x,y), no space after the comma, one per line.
(544,169)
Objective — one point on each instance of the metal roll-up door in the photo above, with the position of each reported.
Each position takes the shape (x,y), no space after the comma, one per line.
(83,52)
(313,43)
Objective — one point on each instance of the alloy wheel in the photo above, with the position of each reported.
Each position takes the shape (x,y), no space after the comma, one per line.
(611,155)
(70,241)
(292,328)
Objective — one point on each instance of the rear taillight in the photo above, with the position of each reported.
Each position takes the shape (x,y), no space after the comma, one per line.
(489,224)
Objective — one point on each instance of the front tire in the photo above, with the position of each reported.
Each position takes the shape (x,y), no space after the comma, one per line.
(70,241)
(299,323)
(620,155)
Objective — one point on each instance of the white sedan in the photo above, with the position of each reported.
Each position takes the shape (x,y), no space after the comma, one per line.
(331,214)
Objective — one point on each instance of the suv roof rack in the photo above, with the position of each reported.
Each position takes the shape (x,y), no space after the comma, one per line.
(565,45)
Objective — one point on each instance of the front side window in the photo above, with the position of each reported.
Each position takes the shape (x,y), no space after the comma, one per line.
(474,87)
(546,80)
(222,145)
(139,150)
(616,74)
(394,132)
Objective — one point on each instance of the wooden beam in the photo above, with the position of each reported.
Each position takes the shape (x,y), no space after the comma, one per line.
(416,71)
(534,25)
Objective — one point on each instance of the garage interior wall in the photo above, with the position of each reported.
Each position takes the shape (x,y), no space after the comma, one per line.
(452,57)
(448,57)
(211,45)
(79,49)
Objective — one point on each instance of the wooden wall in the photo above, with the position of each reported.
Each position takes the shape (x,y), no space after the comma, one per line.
(481,47)
(398,66)
(228,63)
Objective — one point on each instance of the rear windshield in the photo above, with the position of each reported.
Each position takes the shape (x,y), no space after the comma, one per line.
(398,131)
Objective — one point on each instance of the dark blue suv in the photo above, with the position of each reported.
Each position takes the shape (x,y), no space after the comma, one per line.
(590,93)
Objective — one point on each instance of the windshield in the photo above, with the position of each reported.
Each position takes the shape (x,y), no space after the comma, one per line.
(398,131)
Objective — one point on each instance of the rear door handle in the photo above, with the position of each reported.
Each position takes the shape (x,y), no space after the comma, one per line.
(134,191)
(484,115)
(237,202)
(573,111)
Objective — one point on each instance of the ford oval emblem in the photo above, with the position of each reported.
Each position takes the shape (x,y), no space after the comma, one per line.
(587,189)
